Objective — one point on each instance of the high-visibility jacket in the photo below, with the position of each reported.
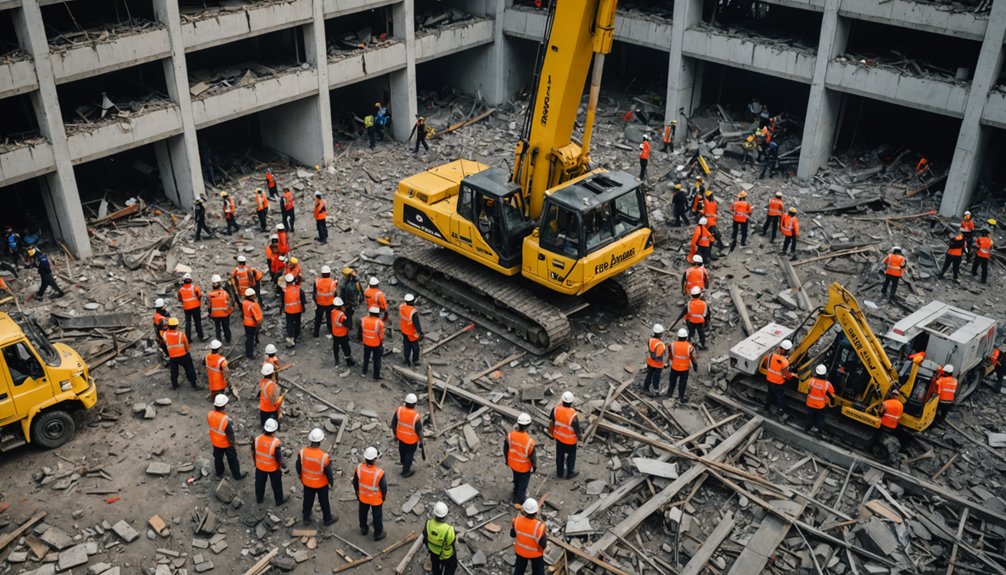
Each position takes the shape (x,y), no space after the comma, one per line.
(272,256)
(324,291)
(273,360)
(319,209)
(775,207)
(644,151)
(291,299)
(946,385)
(668,133)
(710,210)
(405,430)
(368,479)
(892,413)
(562,429)
(265,453)
(817,392)
(293,270)
(984,247)
(160,322)
(967,225)
(518,455)
(405,313)
(528,532)
(215,364)
(339,327)
(261,202)
(251,313)
(895,265)
(270,180)
(956,246)
(655,353)
(220,303)
(229,208)
(218,421)
(189,295)
(789,225)
(282,242)
(681,355)
(245,277)
(268,395)
(368,121)
(702,237)
(922,166)
(696,311)
(177,343)
(288,201)
(313,462)
(373,331)
(696,276)
(440,538)
(375,298)
(741,210)
(776,369)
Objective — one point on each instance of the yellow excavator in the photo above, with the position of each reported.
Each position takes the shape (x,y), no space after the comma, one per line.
(565,228)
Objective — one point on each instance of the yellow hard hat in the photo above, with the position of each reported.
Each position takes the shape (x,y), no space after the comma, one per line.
(347,271)
(223,194)
(709,193)
(377,104)
(992,222)
(294,260)
(173,322)
(743,194)
(677,186)
(32,251)
(792,210)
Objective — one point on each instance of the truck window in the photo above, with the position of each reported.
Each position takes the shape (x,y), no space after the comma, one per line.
(628,214)
(37,338)
(561,231)
(21,363)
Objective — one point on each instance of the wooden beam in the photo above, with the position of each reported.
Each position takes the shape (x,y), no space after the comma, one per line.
(795,284)
(833,255)
(604,407)
(465,329)
(698,561)
(587,556)
(407,539)
(262,563)
(742,309)
(6,540)
(404,563)
(960,534)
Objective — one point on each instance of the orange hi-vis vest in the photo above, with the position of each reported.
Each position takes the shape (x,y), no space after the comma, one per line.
(892,413)
(319,210)
(324,291)
(368,479)
(775,207)
(956,251)
(229,208)
(518,455)
(655,353)
(218,421)
(215,364)
(405,313)
(776,368)
(268,395)
(562,429)
(695,277)
(529,532)
(339,328)
(789,225)
(273,360)
(276,265)
(375,298)
(710,209)
(644,153)
(895,264)
(373,331)
(947,387)
(817,392)
(696,311)
(288,200)
(282,243)
(291,299)
(270,180)
(251,312)
(702,237)
(681,352)
(160,320)
(667,133)
(265,454)
(405,431)
(967,225)
(189,295)
(176,342)
(243,278)
(313,462)
(220,303)
(261,202)
(294,270)
(741,210)
(984,247)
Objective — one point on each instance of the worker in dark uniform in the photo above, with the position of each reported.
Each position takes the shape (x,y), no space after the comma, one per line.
(44,266)
(200,217)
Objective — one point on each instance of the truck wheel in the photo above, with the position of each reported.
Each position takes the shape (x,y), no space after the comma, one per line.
(52,429)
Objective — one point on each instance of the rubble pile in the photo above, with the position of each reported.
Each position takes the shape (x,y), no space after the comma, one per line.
(67,40)
(205,83)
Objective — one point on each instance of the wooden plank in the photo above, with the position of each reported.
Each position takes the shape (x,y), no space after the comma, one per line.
(742,310)
(411,537)
(262,563)
(6,539)
(607,401)
(404,563)
(833,255)
(465,329)
(960,534)
(698,561)
(587,556)
(795,284)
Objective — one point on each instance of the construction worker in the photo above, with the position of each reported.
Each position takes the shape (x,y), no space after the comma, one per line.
(323,295)
(682,355)
(251,318)
(287,210)
(375,297)
(411,328)
(669,130)
(371,490)
(45,273)
(891,410)
(199,215)
(408,430)
(771,165)
(293,308)
(320,215)
(776,375)
(371,127)
(221,308)
(223,439)
(520,457)
(710,209)
(895,265)
(530,538)
(922,168)
(381,118)
(656,355)
(269,397)
(439,537)
(161,316)
(697,194)
(564,426)
(702,241)
(741,210)
(191,298)
(696,315)
(270,184)
(351,292)
(274,258)
(314,467)
(968,231)
(372,336)
(282,240)
(946,387)
(773,216)
(679,206)
(747,148)
(697,275)
(244,276)
(339,323)
(983,253)
(644,157)
(268,461)
(217,370)
(820,392)
(419,129)
(271,357)
(229,213)
(261,209)
(955,251)
(178,354)
(997,364)
(790,227)
(293,268)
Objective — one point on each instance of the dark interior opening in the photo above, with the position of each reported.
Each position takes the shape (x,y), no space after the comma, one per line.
(117,178)
(130,89)
(361,30)
(17,120)
(802,27)
(261,56)
(65,20)
(9,46)
(350,104)
(734,89)
(24,208)
(907,48)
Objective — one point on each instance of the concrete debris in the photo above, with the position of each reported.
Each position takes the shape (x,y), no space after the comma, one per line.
(462,494)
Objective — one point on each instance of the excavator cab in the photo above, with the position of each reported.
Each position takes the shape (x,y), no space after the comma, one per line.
(496,207)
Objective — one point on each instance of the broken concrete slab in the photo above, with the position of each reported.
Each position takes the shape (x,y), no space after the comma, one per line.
(56,538)
(225,491)
(159,468)
(656,467)
(125,531)
(462,493)
(72,557)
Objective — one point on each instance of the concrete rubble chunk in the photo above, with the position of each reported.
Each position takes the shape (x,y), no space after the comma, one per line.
(159,468)
(655,467)
(72,557)
(411,502)
(56,538)
(125,531)
(471,438)
(98,568)
(225,491)
(462,493)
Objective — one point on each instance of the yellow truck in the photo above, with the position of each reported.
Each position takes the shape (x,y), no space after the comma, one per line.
(42,385)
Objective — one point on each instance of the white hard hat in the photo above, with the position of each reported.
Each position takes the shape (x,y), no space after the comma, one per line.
(657,328)
(696,290)
(216,279)
(187,276)
(159,302)
(374,281)
(682,332)
(820,369)
(896,249)
(268,368)
(374,309)
(270,425)
(338,301)
(370,453)
(249,292)
(697,259)
(786,344)
(440,510)
(220,400)
(288,278)
(316,435)
(703,221)
(524,419)
(270,349)
(280,227)
(530,506)
(567,397)
(326,270)
(948,368)
(273,237)
(410,297)
(215,344)
(317,194)
(411,398)
(242,259)
(966,213)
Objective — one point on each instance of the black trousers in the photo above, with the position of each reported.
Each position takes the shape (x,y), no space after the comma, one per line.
(372,136)
(407,454)
(322,230)
(771,223)
(192,316)
(706,252)
(770,167)
(377,352)
(680,215)
(652,378)
(942,411)
(951,261)
(262,215)
(537,565)
(741,227)
(787,243)
(288,217)
(444,566)
(273,191)
(699,328)
(411,350)
(520,482)
(892,281)
(350,311)
(48,280)
(222,326)
(185,362)
(982,263)
(378,512)
(715,231)
(322,313)
(322,494)
(292,325)
(642,168)
(565,459)
(676,378)
(815,418)
(201,227)
(342,343)
(275,480)
(774,397)
(251,337)
(232,461)
(426,146)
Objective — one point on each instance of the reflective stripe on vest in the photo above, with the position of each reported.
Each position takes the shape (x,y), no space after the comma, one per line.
(562,429)
(219,303)
(705,238)
(215,371)
(324,291)
(696,311)
(187,293)
(339,328)
(218,429)
(440,538)
(291,299)
(947,387)
(313,462)
(984,247)
(518,456)
(242,275)
(681,355)
(405,431)
(261,202)
(375,298)
(248,311)
(741,210)
(817,393)
(175,342)
(268,399)
(528,536)
(775,207)
(368,477)
(265,453)
(787,224)
(695,276)
(777,364)
(894,265)
(405,312)
(657,349)
(372,328)
(892,413)
(709,210)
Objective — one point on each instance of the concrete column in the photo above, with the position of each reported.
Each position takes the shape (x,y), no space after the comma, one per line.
(823,104)
(683,74)
(403,82)
(971,141)
(495,74)
(296,129)
(66,216)
(317,56)
(184,149)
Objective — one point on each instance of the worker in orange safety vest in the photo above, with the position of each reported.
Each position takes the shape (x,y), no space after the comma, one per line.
(314,467)
(178,354)
(320,215)
(161,316)
(773,216)
(776,375)
(323,294)
(946,387)
(682,355)
(375,297)
(270,396)
(696,315)
(268,463)
(282,240)
(697,275)
(261,209)
(710,210)
(371,491)
(191,297)
(790,227)
(530,538)
(372,336)
(411,328)
(895,265)
(217,371)
(955,251)
(564,426)
(983,253)
(741,211)
(407,426)
(968,231)
(644,157)
(251,318)
(286,206)
(270,184)
(230,214)
(891,410)
(820,392)
(656,356)
(340,332)
(244,276)
(293,308)
(702,242)
(223,440)
(520,457)
(221,308)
